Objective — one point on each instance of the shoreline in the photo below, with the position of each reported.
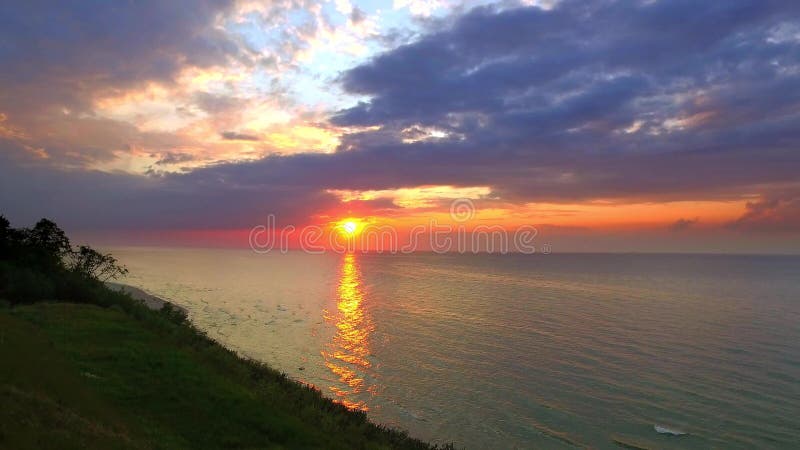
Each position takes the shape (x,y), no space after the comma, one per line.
(96,377)
(151,301)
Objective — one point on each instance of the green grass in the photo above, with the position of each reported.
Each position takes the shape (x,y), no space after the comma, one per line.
(85,376)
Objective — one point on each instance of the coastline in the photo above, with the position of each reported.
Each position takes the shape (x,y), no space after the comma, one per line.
(151,301)
(99,365)
(126,376)
(113,371)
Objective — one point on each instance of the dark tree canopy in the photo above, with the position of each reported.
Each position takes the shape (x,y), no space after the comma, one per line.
(47,237)
(40,263)
(5,229)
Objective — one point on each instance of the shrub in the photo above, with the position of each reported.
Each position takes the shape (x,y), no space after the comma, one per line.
(24,285)
(173,314)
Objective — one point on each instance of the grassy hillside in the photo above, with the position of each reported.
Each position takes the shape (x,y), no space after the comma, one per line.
(85,376)
(83,366)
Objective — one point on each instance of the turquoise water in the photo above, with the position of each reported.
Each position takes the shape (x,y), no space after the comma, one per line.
(515,351)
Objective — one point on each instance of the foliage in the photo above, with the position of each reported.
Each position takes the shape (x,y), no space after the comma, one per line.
(93,264)
(173,314)
(39,263)
(24,285)
(5,235)
(47,238)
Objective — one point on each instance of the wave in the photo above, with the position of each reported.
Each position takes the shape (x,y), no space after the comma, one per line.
(666,430)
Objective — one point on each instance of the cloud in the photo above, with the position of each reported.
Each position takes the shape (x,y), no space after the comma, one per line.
(66,54)
(382,206)
(770,215)
(174,158)
(95,200)
(609,99)
(584,101)
(235,136)
(683,224)
(215,103)
(357,16)
(62,63)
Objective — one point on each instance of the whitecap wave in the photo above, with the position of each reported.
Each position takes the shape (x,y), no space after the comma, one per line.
(666,430)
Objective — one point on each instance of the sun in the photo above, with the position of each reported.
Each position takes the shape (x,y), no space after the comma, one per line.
(349,227)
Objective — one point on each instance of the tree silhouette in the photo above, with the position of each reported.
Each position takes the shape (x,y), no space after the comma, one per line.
(48,238)
(5,237)
(90,263)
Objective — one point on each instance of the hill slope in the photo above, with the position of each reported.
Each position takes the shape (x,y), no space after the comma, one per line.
(84,376)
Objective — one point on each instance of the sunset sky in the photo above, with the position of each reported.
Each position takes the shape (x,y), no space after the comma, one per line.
(638,125)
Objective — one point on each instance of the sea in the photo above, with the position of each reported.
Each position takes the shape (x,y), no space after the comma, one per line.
(514,351)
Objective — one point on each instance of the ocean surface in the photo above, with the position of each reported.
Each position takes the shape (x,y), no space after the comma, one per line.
(515,351)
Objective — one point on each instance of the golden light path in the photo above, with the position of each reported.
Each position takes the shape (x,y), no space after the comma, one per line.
(347,355)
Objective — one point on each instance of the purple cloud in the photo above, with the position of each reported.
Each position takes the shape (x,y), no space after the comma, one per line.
(770,215)
(614,100)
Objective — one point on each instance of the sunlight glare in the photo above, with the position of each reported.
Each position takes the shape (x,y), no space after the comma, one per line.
(349,227)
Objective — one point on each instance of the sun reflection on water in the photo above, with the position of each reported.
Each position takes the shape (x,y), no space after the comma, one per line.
(347,355)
